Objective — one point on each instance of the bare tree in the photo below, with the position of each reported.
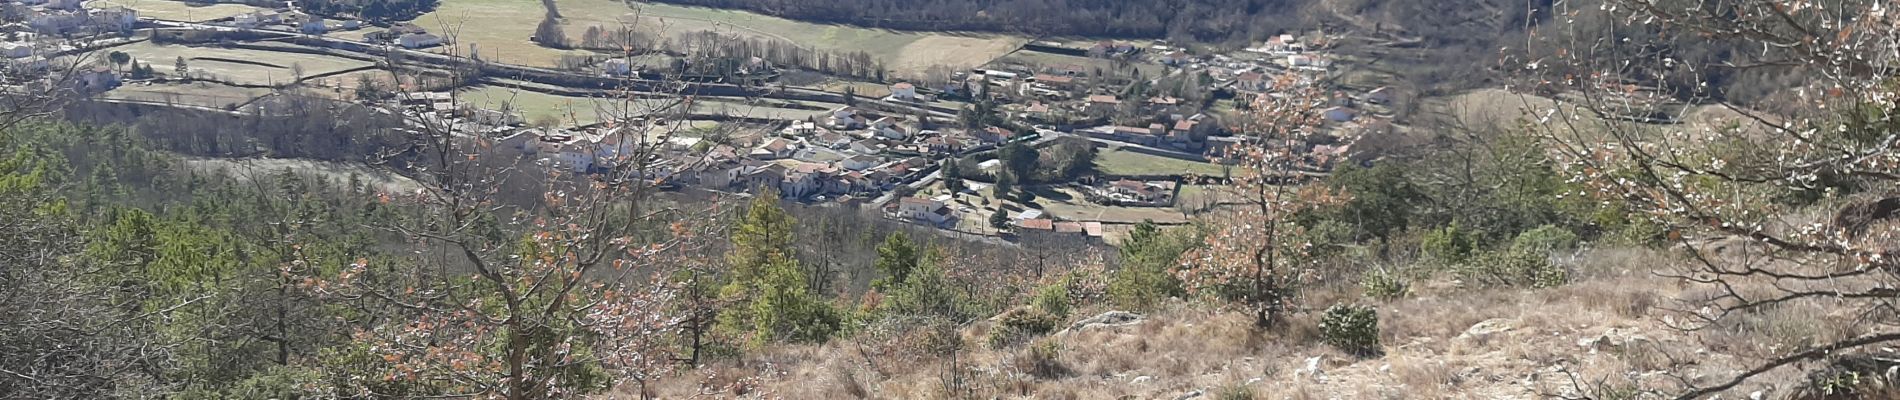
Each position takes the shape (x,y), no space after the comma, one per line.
(1746,181)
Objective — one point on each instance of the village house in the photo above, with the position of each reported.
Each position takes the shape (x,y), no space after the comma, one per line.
(1036,224)
(1252,82)
(904,91)
(929,210)
(617,66)
(861,162)
(115,18)
(56,21)
(1177,58)
(869,146)
(830,140)
(418,40)
(1055,81)
(310,24)
(15,50)
(774,149)
(1109,48)
(995,134)
(96,79)
(1164,104)
(1103,103)
(763,175)
(1037,109)
(889,127)
(846,118)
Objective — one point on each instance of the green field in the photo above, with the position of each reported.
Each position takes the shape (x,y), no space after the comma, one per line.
(196,93)
(501,29)
(1115,161)
(576,110)
(177,10)
(1040,59)
(535,106)
(253,67)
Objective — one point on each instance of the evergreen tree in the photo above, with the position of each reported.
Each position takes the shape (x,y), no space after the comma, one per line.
(897,257)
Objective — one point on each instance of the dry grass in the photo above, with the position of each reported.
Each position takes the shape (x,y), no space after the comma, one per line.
(1603,330)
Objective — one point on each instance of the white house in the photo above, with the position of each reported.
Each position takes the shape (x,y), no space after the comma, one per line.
(904,91)
(118,18)
(775,149)
(27,64)
(617,67)
(418,40)
(887,127)
(310,24)
(846,118)
(861,162)
(868,146)
(16,50)
(931,210)
(578,156)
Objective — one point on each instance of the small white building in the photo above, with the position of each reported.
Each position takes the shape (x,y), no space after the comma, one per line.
(311,24)
(16,50)
(904,91)
(930,210)
(617,67)
(418,40)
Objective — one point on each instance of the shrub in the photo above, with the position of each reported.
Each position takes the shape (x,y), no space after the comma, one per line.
(1546,239)
(1019,325)
(1044,360)
(1382,284)
(1053,299)
(1236,392)
(1514,267)
(1351,328)
(1449,245)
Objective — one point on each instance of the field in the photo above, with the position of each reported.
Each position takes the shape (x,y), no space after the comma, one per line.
(585,110)
(505,27)
(176,10)
(251,67)
(500,29)
(1115,161)
(1036,58)
(197,93)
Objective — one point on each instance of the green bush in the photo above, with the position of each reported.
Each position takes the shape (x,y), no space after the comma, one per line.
(1019,325)
(1351,328)
(1514,267)
(1449,245)
(1546,239)
(1053,299)
(1383,285)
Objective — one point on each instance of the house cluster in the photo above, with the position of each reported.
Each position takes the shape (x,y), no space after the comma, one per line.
(56,17)
(407,35)
(289,20)
(1172,131)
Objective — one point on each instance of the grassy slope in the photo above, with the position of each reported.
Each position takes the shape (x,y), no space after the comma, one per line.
(177,10)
